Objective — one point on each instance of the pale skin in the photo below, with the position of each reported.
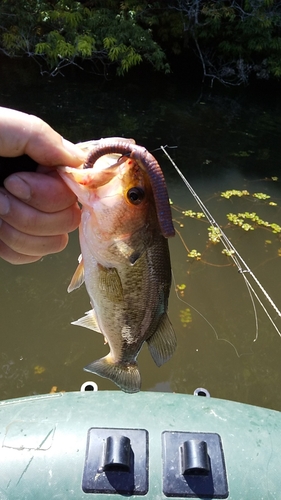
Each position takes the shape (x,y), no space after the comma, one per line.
(37,209)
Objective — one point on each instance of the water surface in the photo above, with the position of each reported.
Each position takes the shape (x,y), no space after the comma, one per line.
(224,141)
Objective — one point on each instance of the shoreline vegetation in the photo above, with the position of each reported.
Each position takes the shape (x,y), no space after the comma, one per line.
(230,42)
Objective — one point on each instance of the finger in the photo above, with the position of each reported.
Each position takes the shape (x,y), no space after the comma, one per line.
(13,257)
(31,245)
(47,193)
(33,222)
(27,134)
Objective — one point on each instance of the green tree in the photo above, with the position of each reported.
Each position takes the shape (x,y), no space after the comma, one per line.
(65,32)
(234,39)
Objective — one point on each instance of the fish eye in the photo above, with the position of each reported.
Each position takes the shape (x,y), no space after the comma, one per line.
(135,195)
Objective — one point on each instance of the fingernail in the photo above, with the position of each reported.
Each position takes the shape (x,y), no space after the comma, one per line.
(4,204)
(18,187)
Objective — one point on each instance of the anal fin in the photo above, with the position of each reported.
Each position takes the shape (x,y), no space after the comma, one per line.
(88,321)
(163,342)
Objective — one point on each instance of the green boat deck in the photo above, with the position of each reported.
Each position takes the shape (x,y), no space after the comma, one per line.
(54,446)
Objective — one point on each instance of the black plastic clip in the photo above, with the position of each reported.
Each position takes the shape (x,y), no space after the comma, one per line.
(194,457)
(117,454)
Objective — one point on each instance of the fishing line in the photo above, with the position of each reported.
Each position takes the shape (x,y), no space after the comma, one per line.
(241,265)
(207,321)
(249,286)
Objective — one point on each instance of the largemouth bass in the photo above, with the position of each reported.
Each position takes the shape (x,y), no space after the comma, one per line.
(125,261)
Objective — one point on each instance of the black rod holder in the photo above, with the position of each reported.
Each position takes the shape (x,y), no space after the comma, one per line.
(117,454)
(194,458)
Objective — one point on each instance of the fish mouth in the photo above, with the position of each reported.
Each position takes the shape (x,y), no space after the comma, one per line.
(149,164)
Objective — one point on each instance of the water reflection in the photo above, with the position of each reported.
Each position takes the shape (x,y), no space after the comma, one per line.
(222,143)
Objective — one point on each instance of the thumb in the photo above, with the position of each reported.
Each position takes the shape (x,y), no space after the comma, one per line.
(48,148)
(21,134)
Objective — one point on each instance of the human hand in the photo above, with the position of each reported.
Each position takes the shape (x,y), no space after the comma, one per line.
(37,209)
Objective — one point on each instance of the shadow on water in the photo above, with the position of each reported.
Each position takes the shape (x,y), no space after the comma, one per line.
(224,142)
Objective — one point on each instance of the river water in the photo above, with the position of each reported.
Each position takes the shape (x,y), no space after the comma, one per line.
(222,140)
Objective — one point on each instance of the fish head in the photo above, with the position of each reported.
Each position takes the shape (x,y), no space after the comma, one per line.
(118,207)
(110,183)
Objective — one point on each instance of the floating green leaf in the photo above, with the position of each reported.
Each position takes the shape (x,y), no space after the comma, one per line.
(214,234)
(185,316)
(261,196)
(194,255)
(234,192)
(181,287)
(189,213)
(239,220)
(228,252)
(234,219)
(247,227)
(275,228)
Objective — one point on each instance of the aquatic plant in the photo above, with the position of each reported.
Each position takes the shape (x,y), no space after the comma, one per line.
(239,220)
(248,221)
(234,192)
(190,213)
(181,287)
(214,234)
(185,317)
(261,196)
(227,252)
(194,254)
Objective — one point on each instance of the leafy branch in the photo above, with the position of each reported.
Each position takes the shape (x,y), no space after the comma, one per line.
(234,39)
(64,32)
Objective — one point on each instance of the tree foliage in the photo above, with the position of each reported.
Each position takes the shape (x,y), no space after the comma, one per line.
(232,39)
(67,31)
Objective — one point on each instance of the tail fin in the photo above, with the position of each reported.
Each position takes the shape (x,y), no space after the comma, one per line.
(126,376)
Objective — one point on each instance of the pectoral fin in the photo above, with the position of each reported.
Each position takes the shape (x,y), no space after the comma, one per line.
(88,321)
(78,277)
(163,342)
(110,283)
(126,376)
